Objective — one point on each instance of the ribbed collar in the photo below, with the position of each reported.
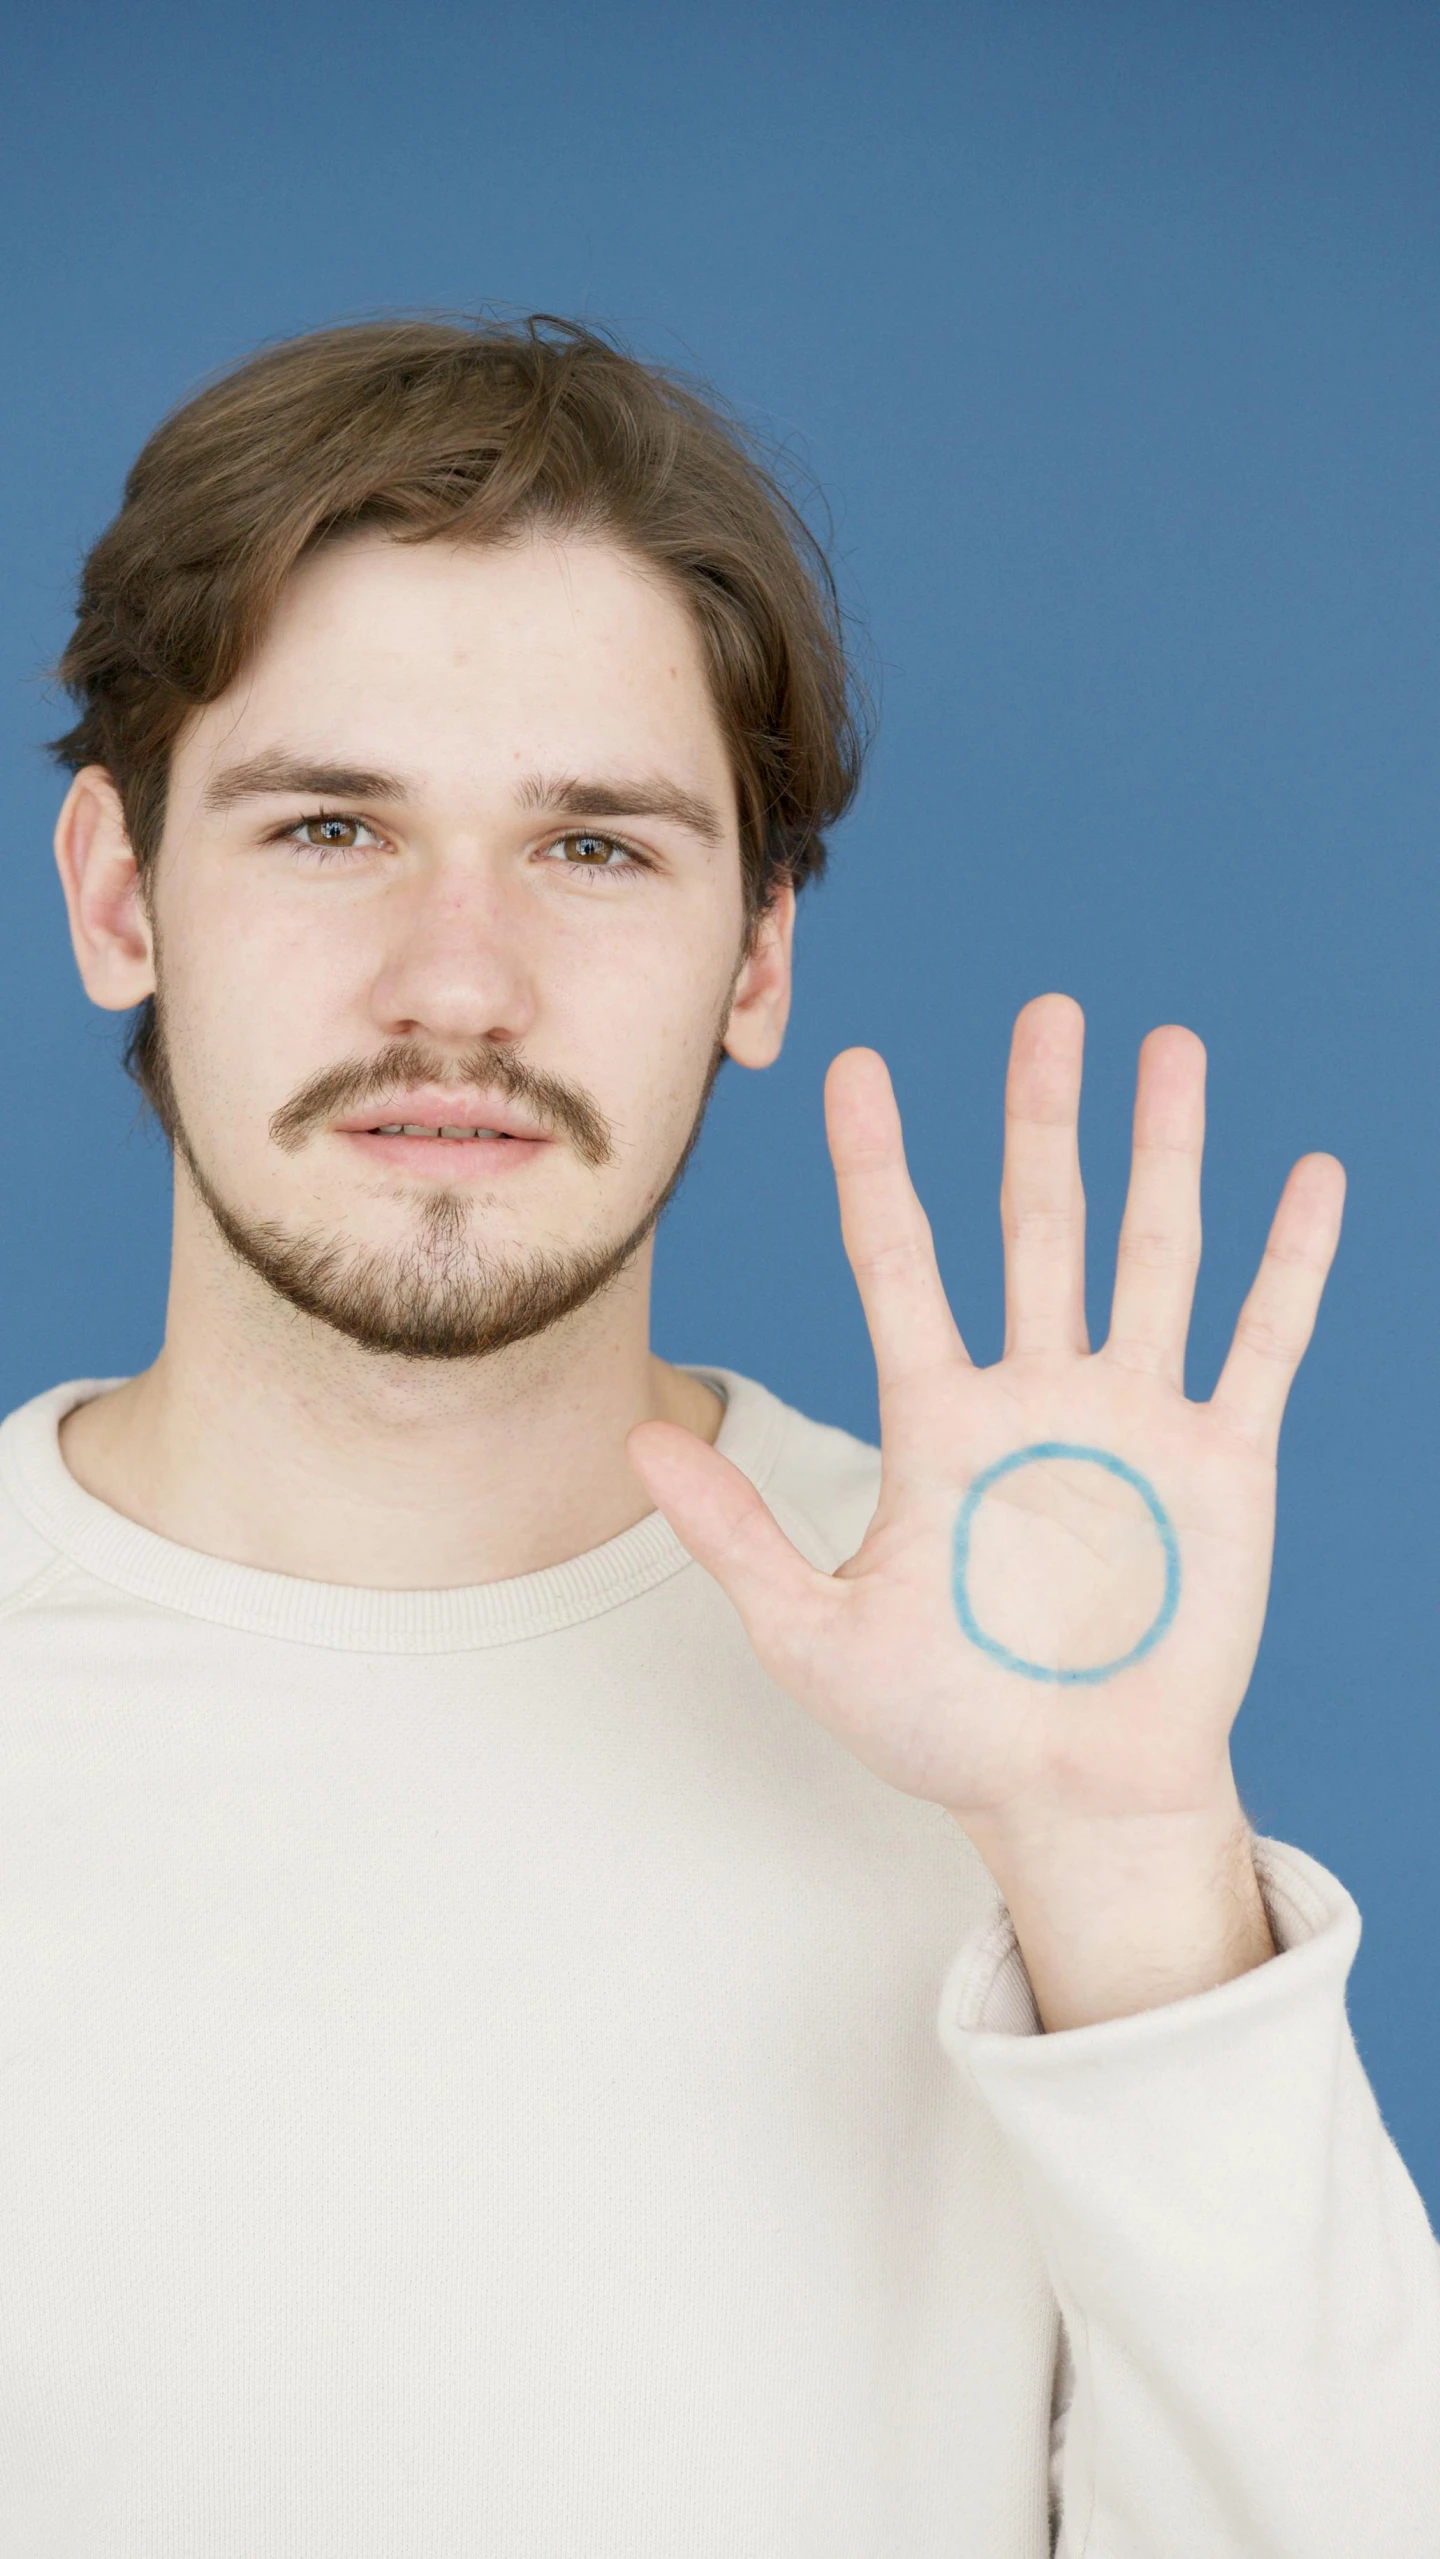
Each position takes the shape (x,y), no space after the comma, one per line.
(335,1615)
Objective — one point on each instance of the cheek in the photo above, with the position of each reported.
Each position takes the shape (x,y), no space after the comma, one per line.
(255,943)
(247,1001)
(651,1033)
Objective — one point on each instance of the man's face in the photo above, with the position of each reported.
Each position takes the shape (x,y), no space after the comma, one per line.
(458,852)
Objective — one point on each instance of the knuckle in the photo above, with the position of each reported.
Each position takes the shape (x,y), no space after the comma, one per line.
(1155,1248)
(1167,1144)
(1140,1354)
(1021,1224)
(1291,1257)
(896,1259)
(1268,1339)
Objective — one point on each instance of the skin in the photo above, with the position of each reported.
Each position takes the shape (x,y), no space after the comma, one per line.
(273,1441)
(1112,1824)
(1108,1815)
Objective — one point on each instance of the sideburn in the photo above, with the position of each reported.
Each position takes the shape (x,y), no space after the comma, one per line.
(147,1065)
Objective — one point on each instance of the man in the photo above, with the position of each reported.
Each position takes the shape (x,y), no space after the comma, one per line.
(517,2040)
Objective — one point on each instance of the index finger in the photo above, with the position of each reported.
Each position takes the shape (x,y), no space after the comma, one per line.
(886,1231)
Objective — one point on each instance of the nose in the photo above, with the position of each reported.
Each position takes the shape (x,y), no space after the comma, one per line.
(456,964)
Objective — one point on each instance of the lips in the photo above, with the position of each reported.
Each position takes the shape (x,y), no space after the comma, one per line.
(445,1119)
(409,1129)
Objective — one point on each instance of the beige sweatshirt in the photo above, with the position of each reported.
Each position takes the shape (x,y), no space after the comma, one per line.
(484,2076)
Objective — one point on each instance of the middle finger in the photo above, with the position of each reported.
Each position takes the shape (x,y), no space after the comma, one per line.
(1042,1202)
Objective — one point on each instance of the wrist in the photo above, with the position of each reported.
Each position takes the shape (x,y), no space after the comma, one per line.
(1117,1914)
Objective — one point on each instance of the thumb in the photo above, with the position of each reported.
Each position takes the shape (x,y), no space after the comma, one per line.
(721,1520)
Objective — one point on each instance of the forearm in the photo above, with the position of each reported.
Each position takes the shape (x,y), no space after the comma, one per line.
(1116,1915)
(1247,2278)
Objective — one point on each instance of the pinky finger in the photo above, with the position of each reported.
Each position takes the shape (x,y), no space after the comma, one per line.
(1278,1317)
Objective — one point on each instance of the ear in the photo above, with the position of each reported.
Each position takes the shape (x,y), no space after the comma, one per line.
(760,1007)
(109,928)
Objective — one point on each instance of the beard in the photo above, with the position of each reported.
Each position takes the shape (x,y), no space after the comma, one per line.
(440,1295)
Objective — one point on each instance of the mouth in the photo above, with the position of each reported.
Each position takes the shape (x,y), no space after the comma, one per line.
(409,1128)
(442,1134)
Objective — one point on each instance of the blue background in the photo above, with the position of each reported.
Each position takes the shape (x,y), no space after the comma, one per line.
(1110,333)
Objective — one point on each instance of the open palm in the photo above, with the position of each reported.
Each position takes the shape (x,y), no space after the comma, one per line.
(1061,1593)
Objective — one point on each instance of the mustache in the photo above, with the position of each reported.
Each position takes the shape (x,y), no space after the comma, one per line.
(408,1062)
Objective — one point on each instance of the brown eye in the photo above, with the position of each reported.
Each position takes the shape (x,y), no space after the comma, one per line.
(592,850)
(336,834)
(330,833)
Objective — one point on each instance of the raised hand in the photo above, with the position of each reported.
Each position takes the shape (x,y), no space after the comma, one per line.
(1052,1620)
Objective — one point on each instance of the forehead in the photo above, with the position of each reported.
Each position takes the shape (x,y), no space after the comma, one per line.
(454,658)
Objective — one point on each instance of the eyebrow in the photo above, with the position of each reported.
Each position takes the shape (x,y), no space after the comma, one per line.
(578,795)
(290,773)
(567,795)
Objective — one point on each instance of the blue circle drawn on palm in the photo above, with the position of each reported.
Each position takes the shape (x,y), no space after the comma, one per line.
(1038,1454)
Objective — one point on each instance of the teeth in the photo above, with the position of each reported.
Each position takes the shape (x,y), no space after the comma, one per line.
(413,1128)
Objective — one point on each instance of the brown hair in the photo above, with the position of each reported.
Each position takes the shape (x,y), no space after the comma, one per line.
(466,429)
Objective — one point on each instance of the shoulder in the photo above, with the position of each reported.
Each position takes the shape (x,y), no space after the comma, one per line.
(821,1483)
(26,1557)
(29,1455)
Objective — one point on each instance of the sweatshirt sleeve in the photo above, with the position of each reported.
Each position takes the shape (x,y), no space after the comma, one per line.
(1249,2286)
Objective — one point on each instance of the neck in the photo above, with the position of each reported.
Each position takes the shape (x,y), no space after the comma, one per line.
(261,1436)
